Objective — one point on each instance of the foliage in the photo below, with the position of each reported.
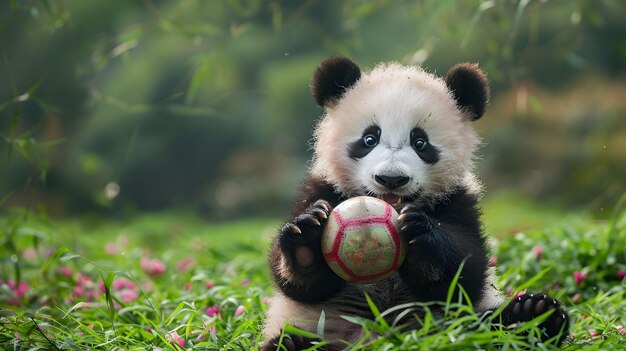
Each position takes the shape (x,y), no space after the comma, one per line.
(184,103)
(119,294)
(172,281)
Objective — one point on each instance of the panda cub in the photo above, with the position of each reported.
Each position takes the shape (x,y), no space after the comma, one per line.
(405,136)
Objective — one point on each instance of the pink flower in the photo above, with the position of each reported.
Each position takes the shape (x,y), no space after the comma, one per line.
(520,293)
(129,295)
(577,298)
(620,274)
(493,261)
(245,282)
(86,289)
(152,266)
(187,286)
(29,254)
(19,290)
(66,272)
(185,263)
(593,333)
(266,299)
(579,277)
(213,311)
(620,329)
(125,290)
(210,285)
(92,293)
(174,338)
(240,310)
(78,291)
(111,249)
(82,279)
(537,251)
(212,331)
(123,283)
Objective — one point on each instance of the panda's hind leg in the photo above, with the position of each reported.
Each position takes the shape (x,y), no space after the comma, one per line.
(285,342)
(527,307)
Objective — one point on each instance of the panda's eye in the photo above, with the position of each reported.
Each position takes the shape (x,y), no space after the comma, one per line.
(370,140)
(420,144)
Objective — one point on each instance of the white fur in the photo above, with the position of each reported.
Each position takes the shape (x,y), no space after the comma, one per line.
(397,98)
(283,311)
(492,296)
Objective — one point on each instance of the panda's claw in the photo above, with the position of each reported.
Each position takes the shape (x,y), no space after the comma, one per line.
(413,223)
(408,208)
(319,213)
(293,229)
(307,219)
(323,204)
(409,216)
(315,216)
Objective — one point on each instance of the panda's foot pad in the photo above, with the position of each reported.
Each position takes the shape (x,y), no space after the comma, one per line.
(527,307)
(300,240)
(289,343)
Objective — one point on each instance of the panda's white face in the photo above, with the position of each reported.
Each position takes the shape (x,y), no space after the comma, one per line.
(396,134)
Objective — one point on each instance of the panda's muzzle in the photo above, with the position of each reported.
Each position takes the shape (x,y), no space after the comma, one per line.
(391,182)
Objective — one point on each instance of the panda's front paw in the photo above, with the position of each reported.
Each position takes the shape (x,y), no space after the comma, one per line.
(300,240)
(526,307)
(414,225)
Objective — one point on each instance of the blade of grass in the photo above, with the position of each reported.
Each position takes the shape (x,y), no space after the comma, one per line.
(109,298)
(58,253)
(452,287)
(376,312)
(320,324)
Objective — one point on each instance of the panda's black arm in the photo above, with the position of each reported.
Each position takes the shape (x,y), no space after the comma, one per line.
(296,260)
(311,190)
(440,239)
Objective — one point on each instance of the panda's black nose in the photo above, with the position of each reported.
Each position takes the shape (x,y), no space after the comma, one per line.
(391,182)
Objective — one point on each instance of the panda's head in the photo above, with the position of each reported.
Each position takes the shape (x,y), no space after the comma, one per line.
(397,132)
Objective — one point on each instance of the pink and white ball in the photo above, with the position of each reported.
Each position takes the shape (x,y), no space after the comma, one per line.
(361,242)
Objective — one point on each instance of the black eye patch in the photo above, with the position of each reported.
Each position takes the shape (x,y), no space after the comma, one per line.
(424,149)
(366,143)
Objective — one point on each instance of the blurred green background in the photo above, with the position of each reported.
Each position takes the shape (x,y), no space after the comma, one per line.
(119,107)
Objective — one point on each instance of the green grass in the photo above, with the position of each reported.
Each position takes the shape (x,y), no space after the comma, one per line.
(84,285)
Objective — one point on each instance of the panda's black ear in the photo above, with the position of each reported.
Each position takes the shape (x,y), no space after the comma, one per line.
(332,78)
(470,88)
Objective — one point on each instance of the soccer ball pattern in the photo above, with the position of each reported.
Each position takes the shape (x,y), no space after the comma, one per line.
(361,242)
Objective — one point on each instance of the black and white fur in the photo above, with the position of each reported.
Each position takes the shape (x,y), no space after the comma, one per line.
(403,135)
